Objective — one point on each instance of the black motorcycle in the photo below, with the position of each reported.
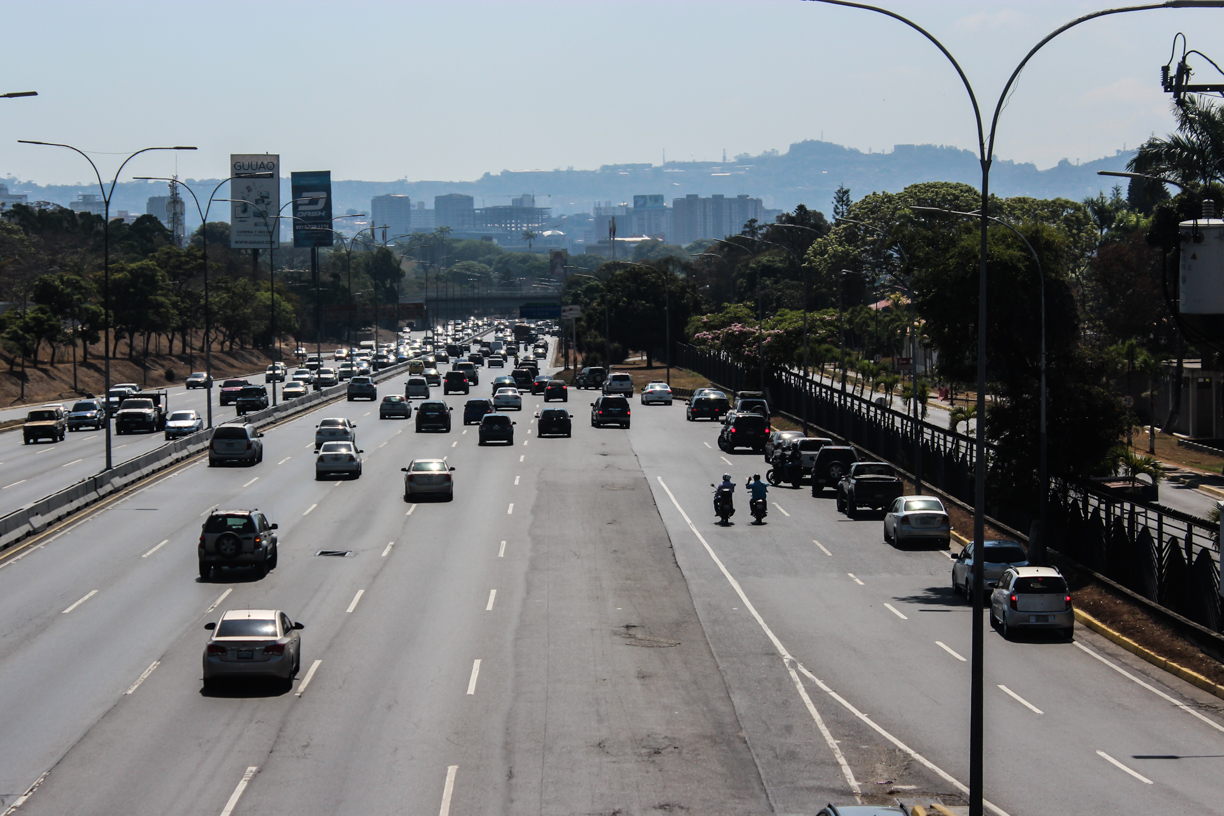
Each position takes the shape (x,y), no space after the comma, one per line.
(722,505)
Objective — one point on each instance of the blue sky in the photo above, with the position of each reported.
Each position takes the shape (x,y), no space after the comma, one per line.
(426,89)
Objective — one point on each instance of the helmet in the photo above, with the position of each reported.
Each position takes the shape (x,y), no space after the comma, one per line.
(726,477)
(756,477)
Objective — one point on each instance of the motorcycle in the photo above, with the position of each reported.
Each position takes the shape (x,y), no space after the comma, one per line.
(722,504)
(758,510)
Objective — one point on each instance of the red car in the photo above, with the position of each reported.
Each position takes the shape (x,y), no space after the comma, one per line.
(230,390)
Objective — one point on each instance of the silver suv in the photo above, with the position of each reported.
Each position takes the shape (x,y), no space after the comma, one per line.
(237,538)
(619,384)
(235,442)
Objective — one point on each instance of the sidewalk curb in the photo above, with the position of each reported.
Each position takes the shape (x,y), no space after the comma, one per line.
(1193,678)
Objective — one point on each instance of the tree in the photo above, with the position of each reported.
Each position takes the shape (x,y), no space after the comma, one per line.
(529,236)
(1194,154)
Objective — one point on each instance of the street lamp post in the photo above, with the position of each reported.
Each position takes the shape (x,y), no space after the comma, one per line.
(986,144)
(760,315)
(106,200)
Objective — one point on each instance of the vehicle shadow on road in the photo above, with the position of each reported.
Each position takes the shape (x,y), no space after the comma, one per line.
(232,575)
(933,596)
(246,688)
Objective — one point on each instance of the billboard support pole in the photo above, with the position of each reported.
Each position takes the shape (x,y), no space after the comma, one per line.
(314,275)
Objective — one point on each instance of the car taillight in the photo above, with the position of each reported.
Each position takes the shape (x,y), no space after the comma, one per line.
(1012,601)
(212,445)
(732,430)
(768,432)
(352,458)
(446,476)
(601,412)
(411,478)
(201,539)
(627,412)
(258,540)
(216,649)
(903,520)
(250,444)
(275,649)
(1067,601)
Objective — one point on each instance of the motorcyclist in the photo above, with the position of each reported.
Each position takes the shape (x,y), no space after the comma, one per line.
(723,493)
(759,489)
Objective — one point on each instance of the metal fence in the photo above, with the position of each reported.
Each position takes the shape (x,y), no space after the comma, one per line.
(1168,557)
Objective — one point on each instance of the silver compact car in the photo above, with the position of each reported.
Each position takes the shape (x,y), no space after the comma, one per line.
(911,519)
(252,643)
(337,458)
(183,423)
(1032,598)
(335,429)
(429,476)
(507,399)
(998,556)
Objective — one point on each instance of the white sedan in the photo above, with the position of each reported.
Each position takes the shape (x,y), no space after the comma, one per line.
(506,399)
(657,392)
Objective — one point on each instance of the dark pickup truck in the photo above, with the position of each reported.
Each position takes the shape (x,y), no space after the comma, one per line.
(868,484)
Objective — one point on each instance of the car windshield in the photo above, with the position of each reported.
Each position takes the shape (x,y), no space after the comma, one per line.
(1040,585)
(221,523)
(873,470)
(1005,552)
(182,416)
(924,504)
(336,447)
(85,406)
(554,413)
(198,375)
(42,416)
(247,628)
(333,423)
(138,404)
(428,467)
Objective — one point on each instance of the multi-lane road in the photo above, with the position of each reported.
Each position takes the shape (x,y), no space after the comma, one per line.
(573,634)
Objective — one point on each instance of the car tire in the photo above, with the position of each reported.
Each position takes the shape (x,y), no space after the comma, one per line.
(1004,629)
(1069,633)
(568,434)
(205,571)
(851,508)
(275,557)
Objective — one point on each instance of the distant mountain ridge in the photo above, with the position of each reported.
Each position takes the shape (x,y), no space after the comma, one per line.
(808,172)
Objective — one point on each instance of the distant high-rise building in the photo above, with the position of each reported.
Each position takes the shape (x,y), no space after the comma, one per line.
(525,200)
(422,218)
(454,210)
(694,217)
(392,211)
(8,199)
(650,217)
(89,203)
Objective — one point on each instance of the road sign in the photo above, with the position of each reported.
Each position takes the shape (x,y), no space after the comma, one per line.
(571,312)
(540,311)
(1128,401)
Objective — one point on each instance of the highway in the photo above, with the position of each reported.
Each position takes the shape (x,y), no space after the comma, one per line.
(573,634)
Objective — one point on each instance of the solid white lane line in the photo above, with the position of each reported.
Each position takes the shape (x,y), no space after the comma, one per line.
(448,789)
(143,677)
(856,580)
(410,509)
(384,444)
(780,510)
(516,478)
(947,649)
(283,461)
(790,661)
(306,680)
(14,484)
(707,444)
(217,602)
(92,593)
(356,598)
(65,465)
(253,481)
(822,548)
(725,459)
(1020,700)
(155,549)
(893,610)
(824,732)
(475,674)
(455,444)
(510,509)
(521,458)
(1149,687)
(311,507)
(387,551)
(1118,764)
(237,794)
(501,553)
(492,595)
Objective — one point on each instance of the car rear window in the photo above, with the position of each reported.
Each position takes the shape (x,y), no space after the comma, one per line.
(361,381)
(554,413)
(428,467)
(1009,553)
(811,444)
(336,447)
(924,504)
(219,523)
(252,391)
(246,628)
(749,421)
(432,408)
(393,398)
(614,402)
(873,470)
(229,433)
(498,420)
(1040,585)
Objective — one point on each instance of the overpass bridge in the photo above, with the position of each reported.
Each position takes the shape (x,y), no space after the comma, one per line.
(539,302)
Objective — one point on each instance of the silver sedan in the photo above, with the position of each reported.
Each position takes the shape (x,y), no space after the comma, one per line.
(183,423)
(338,458)
(911,519)
(999,555)
(506,399)
(252,642)
(429,476)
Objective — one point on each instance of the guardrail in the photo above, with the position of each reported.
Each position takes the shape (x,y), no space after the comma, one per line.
(38,515)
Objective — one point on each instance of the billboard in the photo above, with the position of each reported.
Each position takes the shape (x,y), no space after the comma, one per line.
(312,209)
(255,198)
(540,311)
(648,202)
(556,263)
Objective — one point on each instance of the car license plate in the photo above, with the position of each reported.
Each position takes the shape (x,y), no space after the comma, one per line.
(246,654)
(1039,618)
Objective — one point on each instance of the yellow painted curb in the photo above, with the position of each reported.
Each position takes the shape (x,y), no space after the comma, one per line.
(1194,678)
(1213,491)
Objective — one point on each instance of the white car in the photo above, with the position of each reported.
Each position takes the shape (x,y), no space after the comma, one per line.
(246,642)
(303,375)
(335,429)
(917,518)
(657,392)
(506,399)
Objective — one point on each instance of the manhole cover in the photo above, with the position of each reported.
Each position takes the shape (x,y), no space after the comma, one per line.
(335,553)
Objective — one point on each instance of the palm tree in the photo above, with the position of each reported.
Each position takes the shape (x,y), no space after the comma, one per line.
(1136,465)
(888,383)
(965,414)
(1194,154)
(529,236)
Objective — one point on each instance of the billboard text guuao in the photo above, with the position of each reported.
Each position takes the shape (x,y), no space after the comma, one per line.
(254,199)
(312,209)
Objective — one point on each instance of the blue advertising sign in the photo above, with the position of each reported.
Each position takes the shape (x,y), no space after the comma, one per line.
(540,311)
(312,209)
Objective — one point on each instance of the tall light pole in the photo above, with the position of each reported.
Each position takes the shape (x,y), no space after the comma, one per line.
(15,94)
(107,194)
(986,144)
(760,312)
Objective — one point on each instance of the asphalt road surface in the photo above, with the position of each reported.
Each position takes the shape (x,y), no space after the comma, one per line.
(573,634)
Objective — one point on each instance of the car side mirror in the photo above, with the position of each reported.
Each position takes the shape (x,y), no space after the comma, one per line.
(403,470)
(210,625)
(299,625)
(260,435)
(452,467)
(992,584)
(275,526)
(361,451)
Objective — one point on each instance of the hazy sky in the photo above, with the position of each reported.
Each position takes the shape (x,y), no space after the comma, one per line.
(450,89)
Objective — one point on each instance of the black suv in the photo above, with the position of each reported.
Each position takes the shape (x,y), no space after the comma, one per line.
(496,428)
(475,409)
(554,422)
(523,378)
(709,405)
(251,398)
(455,380)
(744,431)
(610,411)
(591,377)
(832,463)
(433,415)
(237,538)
